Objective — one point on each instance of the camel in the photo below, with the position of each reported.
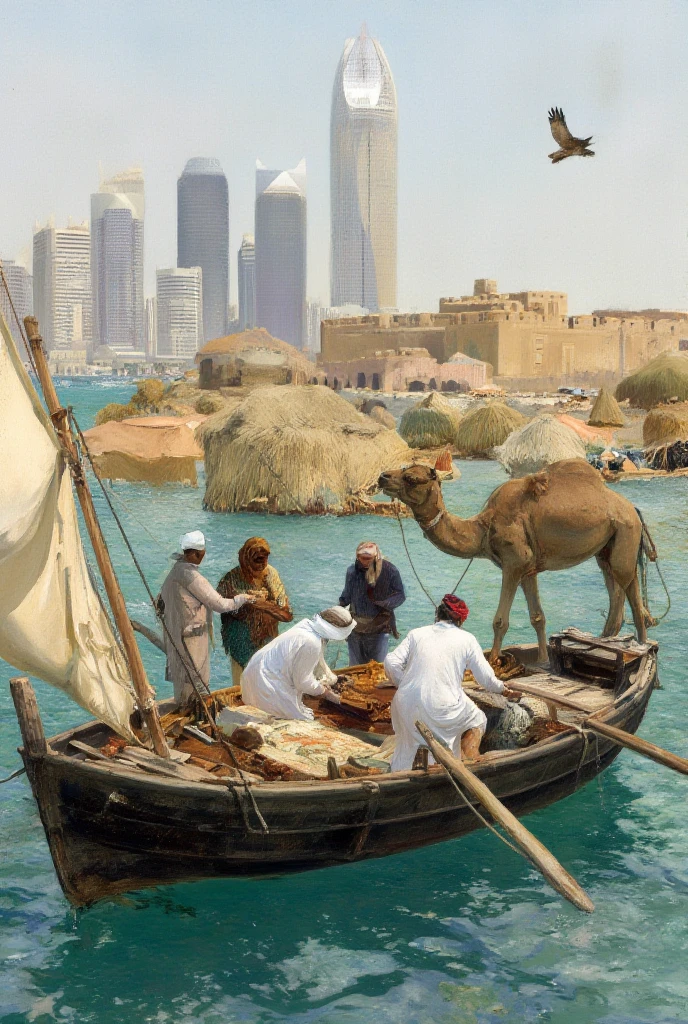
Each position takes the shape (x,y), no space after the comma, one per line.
(547,521)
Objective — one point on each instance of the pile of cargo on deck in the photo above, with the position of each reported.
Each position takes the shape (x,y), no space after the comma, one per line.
(483,429)
(660,380)
(606,411)
(538,444)
(431,423)
(300,449)
(147,449)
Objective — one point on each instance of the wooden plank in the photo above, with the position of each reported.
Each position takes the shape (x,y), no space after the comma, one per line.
(30,725)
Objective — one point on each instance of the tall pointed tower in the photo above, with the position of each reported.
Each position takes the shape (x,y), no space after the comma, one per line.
(363,178)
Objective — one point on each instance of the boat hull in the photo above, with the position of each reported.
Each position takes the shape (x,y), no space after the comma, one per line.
(113,832)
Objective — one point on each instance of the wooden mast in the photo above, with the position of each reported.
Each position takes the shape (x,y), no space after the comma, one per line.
(59,416)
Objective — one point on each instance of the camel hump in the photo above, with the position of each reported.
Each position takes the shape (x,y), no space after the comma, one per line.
(537,484)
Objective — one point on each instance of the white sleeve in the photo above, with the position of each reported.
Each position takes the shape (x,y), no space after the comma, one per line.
(483,672)
(303,663)
(395,663)
(208,596)
(323,673)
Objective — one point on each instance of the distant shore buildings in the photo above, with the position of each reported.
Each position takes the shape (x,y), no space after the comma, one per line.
(20,286)
(203,237)
(117,217)
(363,178)
(179,309)
(62,296)
(280,252)
(246,274)
(526,340)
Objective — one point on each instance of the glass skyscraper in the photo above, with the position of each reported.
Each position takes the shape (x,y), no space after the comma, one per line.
(363,178)
(62,285)
(280,240)
(203,237)
(117,211)
(179,304)
(246,267)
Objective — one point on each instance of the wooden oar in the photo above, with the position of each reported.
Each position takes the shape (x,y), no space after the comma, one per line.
(150,634)
(619,736)
(536,853)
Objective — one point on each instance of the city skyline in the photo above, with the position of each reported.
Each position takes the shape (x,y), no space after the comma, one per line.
(203,236)
(281,252)
(476,192)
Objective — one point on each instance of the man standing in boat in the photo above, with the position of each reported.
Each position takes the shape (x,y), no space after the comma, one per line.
(428,668)
(373,589)
(187,602)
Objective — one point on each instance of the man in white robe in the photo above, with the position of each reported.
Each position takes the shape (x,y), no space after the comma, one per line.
(279,674)
(427,668)
(187,602)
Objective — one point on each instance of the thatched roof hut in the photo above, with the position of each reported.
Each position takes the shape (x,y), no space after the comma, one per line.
(540,443)
(148,449)
(486,427)
(430,423)
(295,449)
(251,358)
(606,411)
(666,424)
(659,380)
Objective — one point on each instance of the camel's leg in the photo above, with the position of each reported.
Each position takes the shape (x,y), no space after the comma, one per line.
(500,623)
(617,599)
(623,562)
(636,602)
(529,585)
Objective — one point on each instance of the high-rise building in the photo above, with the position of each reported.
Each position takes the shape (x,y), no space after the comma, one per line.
(179,294)
(62,285)
(363,178)
(280,239)
(246,267)
(151,328)
(19,283)
(203,237)
(117,211)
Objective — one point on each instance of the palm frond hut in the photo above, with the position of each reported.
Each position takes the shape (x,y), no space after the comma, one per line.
(300,449)
(431,423)
(606,411)
(540,443)
(659,380)
(147,449)
(483,429)
(665,424)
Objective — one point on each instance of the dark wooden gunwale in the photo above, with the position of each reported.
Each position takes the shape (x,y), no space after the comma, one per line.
(112,832)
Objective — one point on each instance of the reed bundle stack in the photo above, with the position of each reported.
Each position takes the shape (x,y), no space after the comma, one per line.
(383,416)
(299,449)
(147,449)
(665,424)
(606,411)
(483,429)
(538,444)
(431,423)
(658,381)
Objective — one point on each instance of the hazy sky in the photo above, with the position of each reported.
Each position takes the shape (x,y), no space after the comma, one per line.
(154,83)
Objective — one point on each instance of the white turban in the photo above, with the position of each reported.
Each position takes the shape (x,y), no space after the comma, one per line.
(368,547)
(193,541)
(329,630)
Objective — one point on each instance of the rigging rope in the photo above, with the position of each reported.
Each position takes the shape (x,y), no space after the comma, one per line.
(14,775)
(207,711)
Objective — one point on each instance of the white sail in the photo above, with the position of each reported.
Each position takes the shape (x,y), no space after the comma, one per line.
(52,624)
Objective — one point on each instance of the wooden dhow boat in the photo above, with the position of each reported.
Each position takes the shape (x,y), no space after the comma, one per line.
(143,796)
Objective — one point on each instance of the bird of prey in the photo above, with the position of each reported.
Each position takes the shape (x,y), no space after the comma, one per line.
(568,145)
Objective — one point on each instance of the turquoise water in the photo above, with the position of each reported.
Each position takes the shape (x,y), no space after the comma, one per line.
(462,933)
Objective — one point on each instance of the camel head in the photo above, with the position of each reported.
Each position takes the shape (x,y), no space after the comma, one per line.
(417,486)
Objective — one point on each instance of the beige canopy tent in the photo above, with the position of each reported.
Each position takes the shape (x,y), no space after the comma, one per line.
(148,449)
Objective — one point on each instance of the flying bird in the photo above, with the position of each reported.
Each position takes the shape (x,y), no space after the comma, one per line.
(568,145)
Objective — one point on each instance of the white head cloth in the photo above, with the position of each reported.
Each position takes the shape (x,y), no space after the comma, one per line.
(193,541)
(368,547)
(328,630)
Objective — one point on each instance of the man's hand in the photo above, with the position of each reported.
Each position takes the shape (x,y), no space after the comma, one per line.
(333,697)
(514,695)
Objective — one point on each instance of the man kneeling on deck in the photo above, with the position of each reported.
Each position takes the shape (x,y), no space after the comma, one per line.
(428,668)
(279,674)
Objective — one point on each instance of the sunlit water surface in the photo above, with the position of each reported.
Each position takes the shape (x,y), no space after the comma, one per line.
(461,932)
